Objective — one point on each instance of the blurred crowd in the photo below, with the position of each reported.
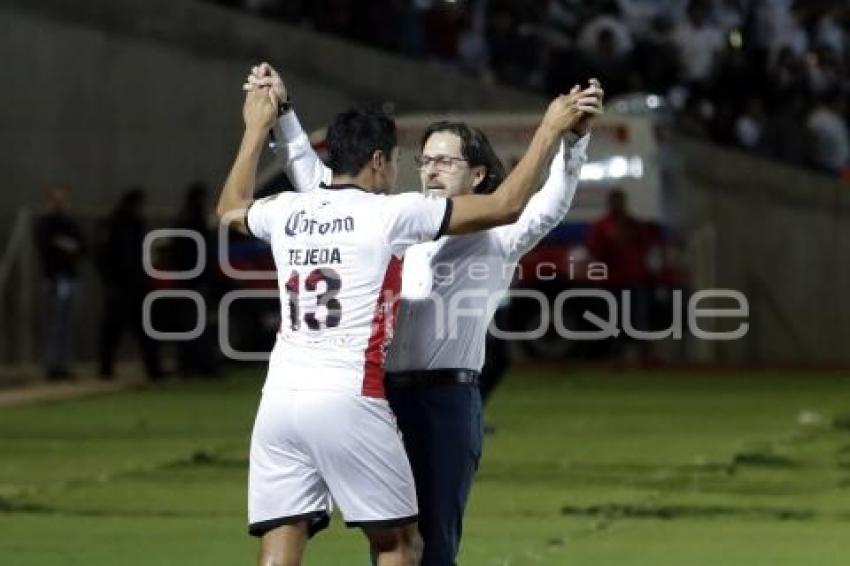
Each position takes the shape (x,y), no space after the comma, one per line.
(115,246)
(770,76)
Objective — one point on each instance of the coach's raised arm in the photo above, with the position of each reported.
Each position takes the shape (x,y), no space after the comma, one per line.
(477,212)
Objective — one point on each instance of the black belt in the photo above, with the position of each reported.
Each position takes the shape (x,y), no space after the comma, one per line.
(432,378)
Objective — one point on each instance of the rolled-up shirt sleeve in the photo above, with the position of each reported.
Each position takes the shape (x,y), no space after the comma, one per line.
(548,207)
(300,161)
(262,215)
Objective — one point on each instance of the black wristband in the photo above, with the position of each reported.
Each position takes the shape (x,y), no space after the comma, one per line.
(284,106)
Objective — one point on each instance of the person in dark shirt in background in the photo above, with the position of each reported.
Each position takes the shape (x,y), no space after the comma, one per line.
(61,245)
(125,283)
(196,356)
(622,242)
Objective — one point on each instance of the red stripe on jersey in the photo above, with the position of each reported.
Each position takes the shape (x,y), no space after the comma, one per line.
(382,330)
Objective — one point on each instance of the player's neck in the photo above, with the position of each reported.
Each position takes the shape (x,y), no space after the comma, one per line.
(364,180)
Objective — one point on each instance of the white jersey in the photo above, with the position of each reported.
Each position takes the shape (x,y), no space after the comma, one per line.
(452,286)
(338,252)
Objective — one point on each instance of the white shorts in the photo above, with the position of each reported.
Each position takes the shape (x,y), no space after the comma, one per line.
(311,446)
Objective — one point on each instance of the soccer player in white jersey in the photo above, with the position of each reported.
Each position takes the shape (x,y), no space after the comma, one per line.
(436,358)
(324,429)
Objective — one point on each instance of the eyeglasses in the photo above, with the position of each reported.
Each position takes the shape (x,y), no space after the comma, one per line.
(445,163)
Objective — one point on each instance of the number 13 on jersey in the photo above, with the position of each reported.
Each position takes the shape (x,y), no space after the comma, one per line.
(327,299)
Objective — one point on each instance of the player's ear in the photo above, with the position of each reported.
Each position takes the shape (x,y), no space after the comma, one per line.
(379,160)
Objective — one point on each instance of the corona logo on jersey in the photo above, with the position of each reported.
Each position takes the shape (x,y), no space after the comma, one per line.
(299,223)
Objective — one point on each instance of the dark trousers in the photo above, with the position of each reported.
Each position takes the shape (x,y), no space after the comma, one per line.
(121,312)
(61,293)
(442,430)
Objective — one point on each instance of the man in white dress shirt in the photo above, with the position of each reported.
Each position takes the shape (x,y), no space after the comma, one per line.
(435,359)
(324,429)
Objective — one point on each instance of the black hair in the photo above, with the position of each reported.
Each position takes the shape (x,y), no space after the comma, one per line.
(355,135)
(130,203)
(475,148)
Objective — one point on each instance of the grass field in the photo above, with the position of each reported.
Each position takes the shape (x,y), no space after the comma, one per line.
(591,468)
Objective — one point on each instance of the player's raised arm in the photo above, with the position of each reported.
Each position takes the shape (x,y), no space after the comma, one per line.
(504,206)
(548,207)
(289,142)
(259,112)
